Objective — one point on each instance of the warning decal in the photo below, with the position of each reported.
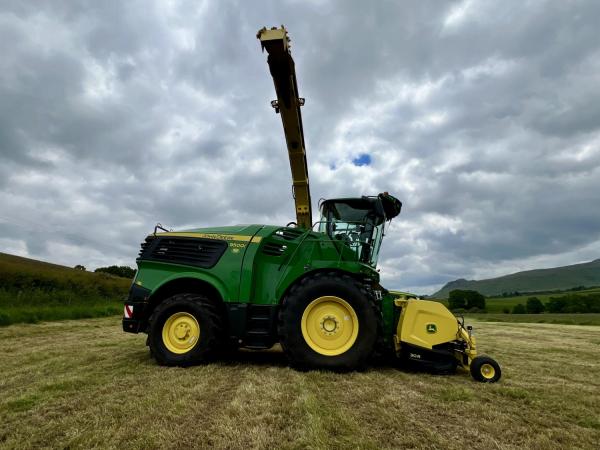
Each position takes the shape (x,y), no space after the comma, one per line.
(128,311)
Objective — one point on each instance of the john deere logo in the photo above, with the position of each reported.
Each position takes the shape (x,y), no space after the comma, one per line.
(431,328)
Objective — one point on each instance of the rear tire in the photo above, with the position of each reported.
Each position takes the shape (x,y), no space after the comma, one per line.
(485,369)
(328,321)
(185,329)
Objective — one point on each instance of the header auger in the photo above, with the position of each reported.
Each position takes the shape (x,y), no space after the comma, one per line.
(313,288)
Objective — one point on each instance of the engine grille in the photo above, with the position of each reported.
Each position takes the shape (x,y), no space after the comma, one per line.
(203,253)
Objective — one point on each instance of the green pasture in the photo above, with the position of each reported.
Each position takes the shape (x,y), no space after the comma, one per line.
(33,291)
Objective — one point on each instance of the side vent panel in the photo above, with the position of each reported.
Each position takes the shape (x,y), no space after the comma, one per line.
(289,234)
(274,249)
(145,246)
(203,253)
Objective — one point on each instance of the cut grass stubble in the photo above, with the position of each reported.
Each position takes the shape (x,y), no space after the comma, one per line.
(86,383)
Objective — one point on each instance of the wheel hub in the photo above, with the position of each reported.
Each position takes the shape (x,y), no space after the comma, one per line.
(180,332)
(488,371)
(329,324)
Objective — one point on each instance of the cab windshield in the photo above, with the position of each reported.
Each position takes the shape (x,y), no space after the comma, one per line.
(357,222)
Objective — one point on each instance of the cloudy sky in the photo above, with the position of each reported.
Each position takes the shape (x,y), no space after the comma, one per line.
(483,117)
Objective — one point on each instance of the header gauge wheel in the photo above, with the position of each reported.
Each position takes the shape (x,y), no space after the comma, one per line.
(485,369)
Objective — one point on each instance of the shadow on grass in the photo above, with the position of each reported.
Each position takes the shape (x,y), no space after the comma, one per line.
(276,358)
(273,357)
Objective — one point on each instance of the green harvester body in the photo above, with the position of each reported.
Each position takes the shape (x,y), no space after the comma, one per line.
(312,287)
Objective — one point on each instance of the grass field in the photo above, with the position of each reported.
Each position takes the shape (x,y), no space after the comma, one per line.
(85,383)
(32,291)
(566,319)
(497,304)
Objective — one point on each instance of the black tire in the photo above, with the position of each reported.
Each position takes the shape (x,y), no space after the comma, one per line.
(361,299)
(206,314)
(485,369)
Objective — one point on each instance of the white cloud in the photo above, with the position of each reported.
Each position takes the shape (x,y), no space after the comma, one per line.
(459,14)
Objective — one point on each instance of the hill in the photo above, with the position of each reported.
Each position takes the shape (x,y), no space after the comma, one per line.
(539,280)
(31,291)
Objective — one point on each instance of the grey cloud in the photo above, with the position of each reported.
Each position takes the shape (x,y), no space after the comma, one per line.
(114,116)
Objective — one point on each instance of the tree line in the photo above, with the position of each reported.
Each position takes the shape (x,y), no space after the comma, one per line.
(460,300)
(466,300)
(571,303)
(118,271)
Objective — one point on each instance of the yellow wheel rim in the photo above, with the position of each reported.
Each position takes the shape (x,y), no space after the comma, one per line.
(181,332)
(329,325)
(487,371)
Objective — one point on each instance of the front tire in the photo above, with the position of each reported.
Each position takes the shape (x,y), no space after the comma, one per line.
(328,321)
(185,329)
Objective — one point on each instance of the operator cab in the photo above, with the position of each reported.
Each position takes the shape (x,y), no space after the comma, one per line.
(359,222)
